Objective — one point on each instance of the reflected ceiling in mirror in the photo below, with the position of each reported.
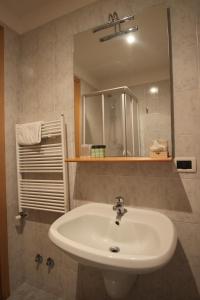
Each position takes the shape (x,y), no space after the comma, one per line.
(140,61)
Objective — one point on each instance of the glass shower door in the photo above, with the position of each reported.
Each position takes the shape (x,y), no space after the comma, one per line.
(114,124)
(92,120)
(136,128)
(129,126)
(132,133)
(111,118)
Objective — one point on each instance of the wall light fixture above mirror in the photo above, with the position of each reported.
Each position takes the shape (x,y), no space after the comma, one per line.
(124,85)
(116,24)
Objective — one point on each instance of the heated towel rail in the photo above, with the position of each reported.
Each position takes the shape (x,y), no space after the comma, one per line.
(41,170)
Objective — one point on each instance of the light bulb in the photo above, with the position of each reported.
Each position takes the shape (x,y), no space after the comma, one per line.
(153,90)
(130,39)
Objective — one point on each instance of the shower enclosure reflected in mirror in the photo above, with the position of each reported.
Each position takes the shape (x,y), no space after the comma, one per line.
(125,85)
(111,117)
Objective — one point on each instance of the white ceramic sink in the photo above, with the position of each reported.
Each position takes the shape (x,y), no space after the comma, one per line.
(146,239)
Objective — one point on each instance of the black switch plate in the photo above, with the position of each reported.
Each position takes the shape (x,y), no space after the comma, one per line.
(184,164)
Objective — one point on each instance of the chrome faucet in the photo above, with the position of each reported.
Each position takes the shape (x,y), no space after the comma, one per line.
(119,207)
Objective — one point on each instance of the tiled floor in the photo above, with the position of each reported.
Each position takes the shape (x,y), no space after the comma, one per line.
(28,292)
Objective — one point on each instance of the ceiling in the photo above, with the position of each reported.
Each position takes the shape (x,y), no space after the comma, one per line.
(25,15)
(116,63)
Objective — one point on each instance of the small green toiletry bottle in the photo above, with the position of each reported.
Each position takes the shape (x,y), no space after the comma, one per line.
(93,151)
(102,151)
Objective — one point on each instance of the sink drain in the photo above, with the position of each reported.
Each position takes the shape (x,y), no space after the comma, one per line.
(114,249)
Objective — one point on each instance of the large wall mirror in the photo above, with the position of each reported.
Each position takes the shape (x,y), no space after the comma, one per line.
(125,85)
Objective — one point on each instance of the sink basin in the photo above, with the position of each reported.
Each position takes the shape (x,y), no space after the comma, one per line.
(146,239)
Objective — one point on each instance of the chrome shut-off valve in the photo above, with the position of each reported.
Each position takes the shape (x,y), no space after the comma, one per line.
(50,263)
(38,259)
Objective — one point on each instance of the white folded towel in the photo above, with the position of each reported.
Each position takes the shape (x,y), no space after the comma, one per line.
(159,146)
(29,133)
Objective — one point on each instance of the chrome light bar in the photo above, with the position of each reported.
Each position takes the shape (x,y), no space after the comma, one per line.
(118,33)
(112,23)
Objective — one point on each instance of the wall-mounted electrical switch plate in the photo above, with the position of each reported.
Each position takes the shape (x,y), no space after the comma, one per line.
(186,164)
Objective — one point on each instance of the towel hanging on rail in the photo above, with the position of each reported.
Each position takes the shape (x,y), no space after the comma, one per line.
(29,133)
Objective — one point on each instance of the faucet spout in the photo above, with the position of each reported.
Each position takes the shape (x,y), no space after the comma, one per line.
(120,209)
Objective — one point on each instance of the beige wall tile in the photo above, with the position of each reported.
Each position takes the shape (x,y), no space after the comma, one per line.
(12,56)
(39,85)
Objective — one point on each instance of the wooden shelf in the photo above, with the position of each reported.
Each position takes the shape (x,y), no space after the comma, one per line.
(117,159)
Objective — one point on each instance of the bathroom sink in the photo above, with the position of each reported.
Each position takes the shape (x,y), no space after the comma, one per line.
(144,241)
